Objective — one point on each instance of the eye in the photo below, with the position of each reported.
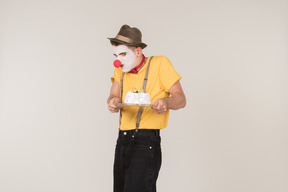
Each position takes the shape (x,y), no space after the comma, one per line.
(123,54)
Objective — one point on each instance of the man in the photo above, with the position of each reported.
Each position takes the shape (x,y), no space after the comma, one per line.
(138,151)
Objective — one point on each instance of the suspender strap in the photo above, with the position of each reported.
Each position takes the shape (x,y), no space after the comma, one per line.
(121,94)
(144,89)
(146,76)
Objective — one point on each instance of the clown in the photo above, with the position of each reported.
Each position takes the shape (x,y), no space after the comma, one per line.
(128,58)
(138,149)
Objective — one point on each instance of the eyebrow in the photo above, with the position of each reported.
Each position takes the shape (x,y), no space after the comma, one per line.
(120,53)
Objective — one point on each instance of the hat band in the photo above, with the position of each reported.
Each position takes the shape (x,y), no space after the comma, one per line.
(125,39)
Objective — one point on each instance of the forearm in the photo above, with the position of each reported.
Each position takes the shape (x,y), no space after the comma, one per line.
(114,92)
(114,97)
(176,101)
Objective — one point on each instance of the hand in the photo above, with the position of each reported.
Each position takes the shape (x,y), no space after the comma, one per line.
(160,106)
(113,108)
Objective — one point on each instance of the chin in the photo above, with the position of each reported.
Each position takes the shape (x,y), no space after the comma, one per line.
(125,70)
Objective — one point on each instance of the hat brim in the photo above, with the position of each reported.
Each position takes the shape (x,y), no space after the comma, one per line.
(142,45)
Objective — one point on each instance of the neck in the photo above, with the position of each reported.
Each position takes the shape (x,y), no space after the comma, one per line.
(138,67)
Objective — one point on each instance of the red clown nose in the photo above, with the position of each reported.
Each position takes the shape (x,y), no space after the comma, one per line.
(117,63)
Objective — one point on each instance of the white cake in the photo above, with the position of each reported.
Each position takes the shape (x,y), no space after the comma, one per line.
(137,98)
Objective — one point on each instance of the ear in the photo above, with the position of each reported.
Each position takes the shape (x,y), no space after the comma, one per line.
(138,51)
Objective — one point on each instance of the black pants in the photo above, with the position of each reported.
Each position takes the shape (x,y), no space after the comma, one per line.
(137,161)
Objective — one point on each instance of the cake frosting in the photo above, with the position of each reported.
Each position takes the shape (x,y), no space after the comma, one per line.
(137,98)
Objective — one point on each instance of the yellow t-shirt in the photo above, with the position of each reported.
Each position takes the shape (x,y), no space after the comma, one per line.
(161,77)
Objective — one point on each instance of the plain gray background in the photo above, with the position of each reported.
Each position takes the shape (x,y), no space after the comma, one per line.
(56,133)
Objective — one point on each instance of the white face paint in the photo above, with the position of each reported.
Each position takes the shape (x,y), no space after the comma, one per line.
(127,57)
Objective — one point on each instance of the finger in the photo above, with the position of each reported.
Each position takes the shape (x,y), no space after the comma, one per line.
(156,103)
(162,110)
(112,107)
(160,106)
(114,110)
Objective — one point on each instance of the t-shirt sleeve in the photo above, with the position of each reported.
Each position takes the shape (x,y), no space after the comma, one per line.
(168,75)
(117,75)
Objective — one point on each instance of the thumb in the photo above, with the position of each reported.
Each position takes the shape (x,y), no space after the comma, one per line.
(156,103)
(113,101)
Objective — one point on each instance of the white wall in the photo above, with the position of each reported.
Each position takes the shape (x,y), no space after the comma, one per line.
(56,133)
